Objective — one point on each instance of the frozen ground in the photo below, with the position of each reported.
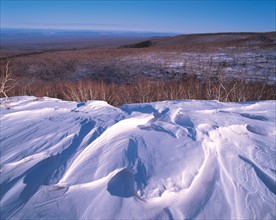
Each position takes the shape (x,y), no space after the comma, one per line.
(163,160)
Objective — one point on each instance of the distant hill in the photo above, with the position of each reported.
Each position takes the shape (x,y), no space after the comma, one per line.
(210,40)
(129,57)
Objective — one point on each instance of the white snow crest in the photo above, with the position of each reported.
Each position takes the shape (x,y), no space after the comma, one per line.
(164,160)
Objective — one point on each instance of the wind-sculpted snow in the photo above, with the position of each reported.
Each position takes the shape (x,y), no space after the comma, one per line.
(163,160)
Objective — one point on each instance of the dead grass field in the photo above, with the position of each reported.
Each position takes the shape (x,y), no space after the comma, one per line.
(226,67)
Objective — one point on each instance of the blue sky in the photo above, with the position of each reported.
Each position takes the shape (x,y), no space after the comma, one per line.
(150,16)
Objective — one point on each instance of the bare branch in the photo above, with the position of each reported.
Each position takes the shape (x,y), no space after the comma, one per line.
(6,80)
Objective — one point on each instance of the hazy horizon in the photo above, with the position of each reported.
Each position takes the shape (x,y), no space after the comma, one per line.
(89,30)
(125,31)
(179,17)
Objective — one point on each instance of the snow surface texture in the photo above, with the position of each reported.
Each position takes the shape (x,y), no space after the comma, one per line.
(163,160)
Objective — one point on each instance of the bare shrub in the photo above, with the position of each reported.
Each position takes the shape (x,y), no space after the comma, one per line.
(6,81)
(219,89)
(240,90)
(149,90)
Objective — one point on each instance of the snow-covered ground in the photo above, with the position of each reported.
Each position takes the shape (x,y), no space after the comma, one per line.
(163,160)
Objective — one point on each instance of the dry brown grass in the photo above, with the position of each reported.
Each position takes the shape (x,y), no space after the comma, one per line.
(128,75)
(149,91)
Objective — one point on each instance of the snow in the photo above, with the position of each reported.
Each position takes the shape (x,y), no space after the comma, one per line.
(165,160)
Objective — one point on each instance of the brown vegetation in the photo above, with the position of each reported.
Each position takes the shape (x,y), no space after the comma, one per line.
(248,55)
(150,91)
(226,67)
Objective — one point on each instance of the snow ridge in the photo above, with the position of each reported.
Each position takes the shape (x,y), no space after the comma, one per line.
(171,160)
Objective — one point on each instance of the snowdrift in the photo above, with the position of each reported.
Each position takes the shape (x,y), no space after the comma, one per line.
(163,160)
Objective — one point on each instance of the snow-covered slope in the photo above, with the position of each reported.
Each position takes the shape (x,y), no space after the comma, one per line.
(163,160)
